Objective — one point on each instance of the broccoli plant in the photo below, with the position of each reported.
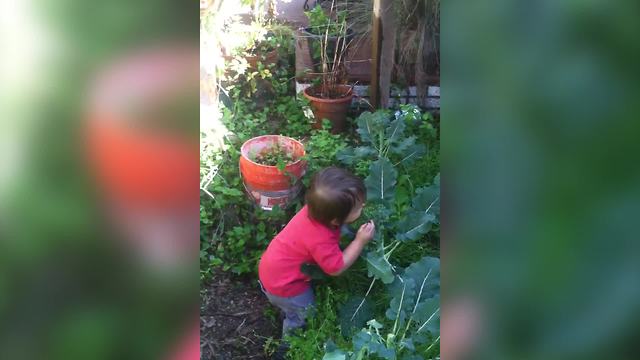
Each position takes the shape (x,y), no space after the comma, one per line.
(414,311)
(385,144)
(414,291)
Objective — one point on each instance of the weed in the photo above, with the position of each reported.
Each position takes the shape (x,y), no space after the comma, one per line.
(309,344)
(270,313)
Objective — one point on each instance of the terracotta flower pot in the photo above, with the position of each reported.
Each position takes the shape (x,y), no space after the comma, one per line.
(269,58)
(334,110)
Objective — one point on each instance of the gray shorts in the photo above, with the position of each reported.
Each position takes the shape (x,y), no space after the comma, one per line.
(295,308)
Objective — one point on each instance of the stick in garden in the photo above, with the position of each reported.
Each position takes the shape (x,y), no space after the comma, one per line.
(363,299)
(334,80)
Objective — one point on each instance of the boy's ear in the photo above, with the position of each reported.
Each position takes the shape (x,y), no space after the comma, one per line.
(335,222)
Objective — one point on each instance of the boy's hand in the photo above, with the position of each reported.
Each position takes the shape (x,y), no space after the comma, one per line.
(366,231)
(351,253)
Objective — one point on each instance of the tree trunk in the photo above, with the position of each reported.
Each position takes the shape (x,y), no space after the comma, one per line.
(421,74)
(376,44)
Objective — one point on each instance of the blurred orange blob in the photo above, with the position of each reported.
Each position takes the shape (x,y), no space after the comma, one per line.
(154,170)
(142,136)
(140,112)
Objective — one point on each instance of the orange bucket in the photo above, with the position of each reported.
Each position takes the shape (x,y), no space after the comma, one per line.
(265,184)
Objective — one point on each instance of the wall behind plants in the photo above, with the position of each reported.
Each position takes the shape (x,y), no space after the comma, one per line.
(292,11)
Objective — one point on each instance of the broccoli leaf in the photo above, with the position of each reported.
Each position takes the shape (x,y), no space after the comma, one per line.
(381,181)
(379,267)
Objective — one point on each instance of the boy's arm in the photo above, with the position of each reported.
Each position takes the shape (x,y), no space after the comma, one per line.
(351,253)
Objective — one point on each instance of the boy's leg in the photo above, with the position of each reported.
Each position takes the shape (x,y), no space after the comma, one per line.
(299,308)
(295,309)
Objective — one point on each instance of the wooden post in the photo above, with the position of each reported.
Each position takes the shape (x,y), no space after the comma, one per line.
(387,51)
(376,42)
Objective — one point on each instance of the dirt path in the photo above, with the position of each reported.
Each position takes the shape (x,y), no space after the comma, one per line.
(233,324)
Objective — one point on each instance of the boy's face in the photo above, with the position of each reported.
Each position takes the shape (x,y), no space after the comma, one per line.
(355,212)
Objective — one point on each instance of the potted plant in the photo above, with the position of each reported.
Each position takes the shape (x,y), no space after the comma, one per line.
(323,32)
(264,47)
(329,96)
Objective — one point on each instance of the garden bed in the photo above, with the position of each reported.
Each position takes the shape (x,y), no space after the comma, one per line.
(396,153)
(233,324)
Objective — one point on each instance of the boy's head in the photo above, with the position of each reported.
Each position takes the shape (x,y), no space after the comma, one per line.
(335,197)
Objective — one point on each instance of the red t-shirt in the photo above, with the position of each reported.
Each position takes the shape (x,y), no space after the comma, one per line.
(302,241)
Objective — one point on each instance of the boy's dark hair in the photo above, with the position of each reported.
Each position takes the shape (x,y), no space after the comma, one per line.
(333,194)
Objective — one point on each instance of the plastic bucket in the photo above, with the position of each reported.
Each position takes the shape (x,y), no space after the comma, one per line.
(266,185)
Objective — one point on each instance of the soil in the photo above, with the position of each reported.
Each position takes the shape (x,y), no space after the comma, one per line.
(273,156)
(233,324)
